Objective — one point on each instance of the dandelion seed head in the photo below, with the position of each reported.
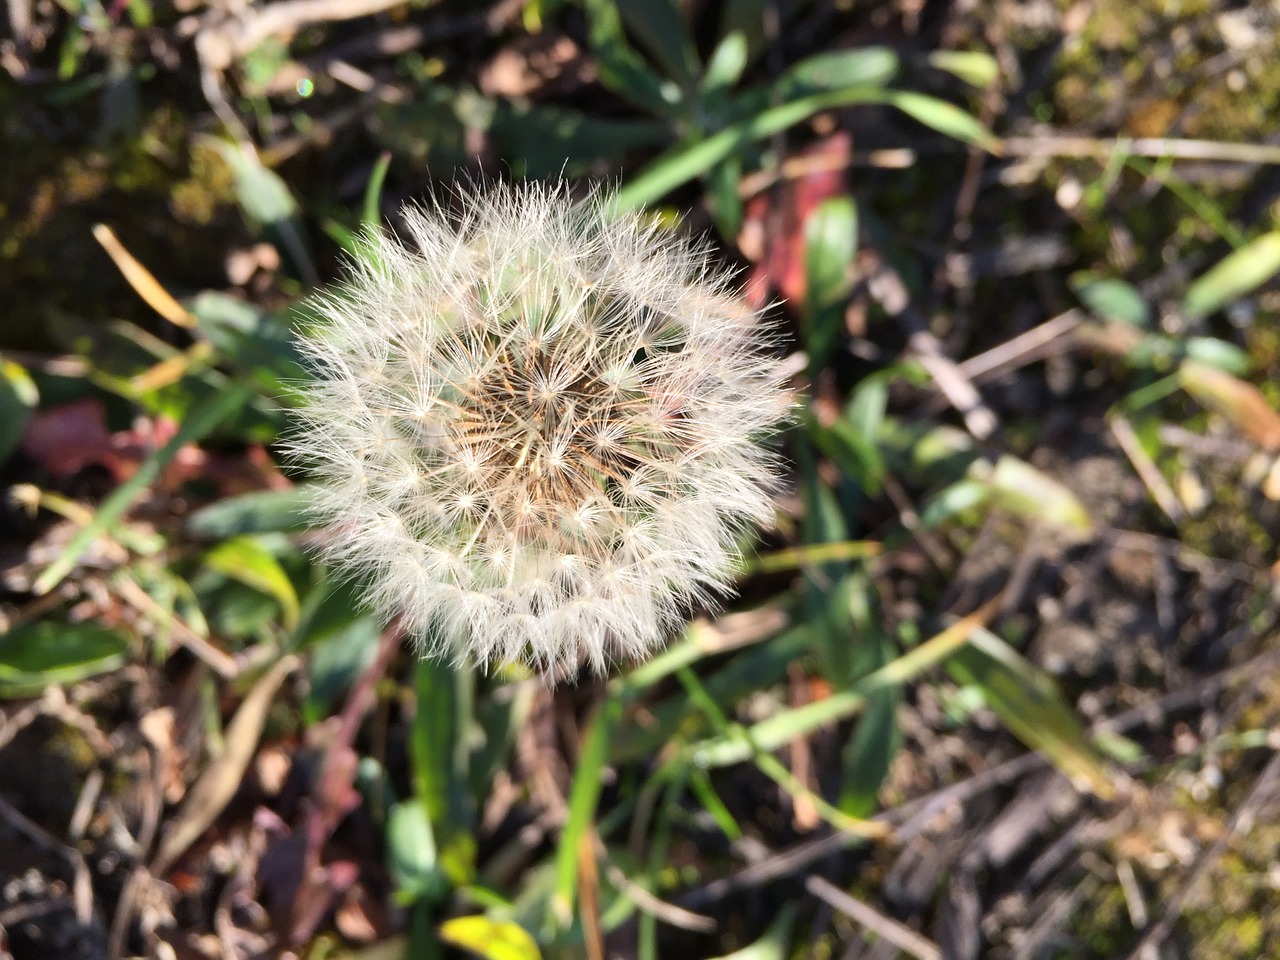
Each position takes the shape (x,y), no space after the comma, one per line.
(536,428)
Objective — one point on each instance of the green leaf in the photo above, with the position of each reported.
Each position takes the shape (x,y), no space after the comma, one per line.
(830,245)
(38,655)
(1217,353)
(1161,353)
(974,67)
(869,752)
(259,511)
(1020,488)
(200,422)
(746,18)
(491,939)
(262,195)
(440,754)
(335,663)
(588,779)
(783,727)
(843,69)
(266,201)
(371,216)
(660,28)
(18,397)
(692,159)
(622,70)
(775,944)
(946,118)
(258,343)
(411,854)
(953,500)
(725,66)
(1234,276)
(546,140)
(1029,703)
(1240,402)
(247,560)
(723,198)
(1112,300)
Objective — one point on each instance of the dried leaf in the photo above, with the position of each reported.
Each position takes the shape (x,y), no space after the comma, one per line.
(218,784)
(1240,402)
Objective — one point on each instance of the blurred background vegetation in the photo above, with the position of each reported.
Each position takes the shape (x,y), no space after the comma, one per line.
(1003,682)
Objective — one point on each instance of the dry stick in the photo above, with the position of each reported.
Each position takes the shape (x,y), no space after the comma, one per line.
(221,662)
(916,814)
(888,929)
(668,913)
(1241,822)
(82,887)
(1024,348)
(1150,475)
(887,288)
(224,39)
(1158,147)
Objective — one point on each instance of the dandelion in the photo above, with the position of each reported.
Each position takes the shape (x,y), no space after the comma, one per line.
(536,429)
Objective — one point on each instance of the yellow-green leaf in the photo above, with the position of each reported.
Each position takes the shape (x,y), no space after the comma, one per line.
(1020,488)
(491,939)
(1235,275)
(1028,702)
(247,561)
(1240,402)
(972,66)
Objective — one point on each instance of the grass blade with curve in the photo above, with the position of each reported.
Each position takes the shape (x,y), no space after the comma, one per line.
(201,422)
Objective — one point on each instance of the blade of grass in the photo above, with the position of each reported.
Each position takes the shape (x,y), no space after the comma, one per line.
(440,762)
(202,421)
(813,554)
(777,731)
(1028,702)
(583,797)
(684,163)
(372,209)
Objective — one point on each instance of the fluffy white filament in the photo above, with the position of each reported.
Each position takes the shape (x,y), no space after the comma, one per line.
(537,428)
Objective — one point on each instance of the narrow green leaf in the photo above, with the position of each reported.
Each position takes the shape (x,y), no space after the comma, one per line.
(259,511)
(841,69)
(247,560)
(953,500)
(262,195)
(660,29)
(588,779)
(201,422)
(780,729)
(335,662)
(372,215)
(689,160)
(1240,402)
(622,70)
(1235,275)
(725,66)
(38,655)
(411,854)
(974,67)
(1110,299)
(877,737)
(830,246)
(1028,702)
(946,118)
(1020,488)
(440,755)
